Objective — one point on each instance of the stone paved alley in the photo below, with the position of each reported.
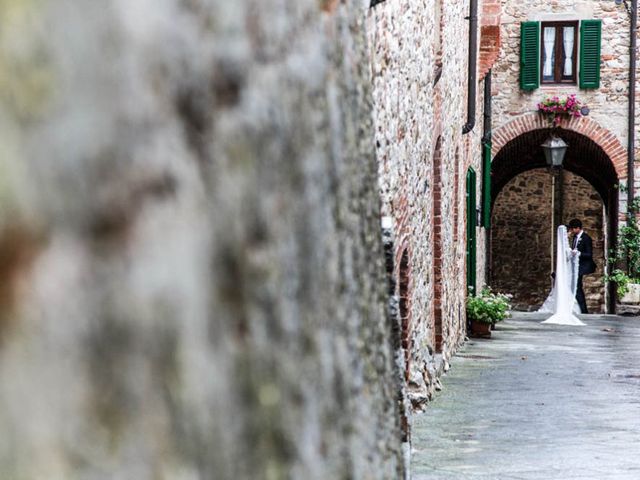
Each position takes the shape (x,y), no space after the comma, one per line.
(537,402)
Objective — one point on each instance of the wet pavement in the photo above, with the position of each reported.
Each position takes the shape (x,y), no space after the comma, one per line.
(537,402)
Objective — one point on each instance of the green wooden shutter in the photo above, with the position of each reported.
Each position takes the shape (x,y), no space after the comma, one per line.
(471,231)
(529,55)
(590,53)
(486,184)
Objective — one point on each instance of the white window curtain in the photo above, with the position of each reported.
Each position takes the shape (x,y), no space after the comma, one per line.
(549,44)
(568,38)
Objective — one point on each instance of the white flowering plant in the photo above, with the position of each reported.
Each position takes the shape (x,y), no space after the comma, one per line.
(488,307)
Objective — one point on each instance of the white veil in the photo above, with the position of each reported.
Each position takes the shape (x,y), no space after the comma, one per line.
(562,299)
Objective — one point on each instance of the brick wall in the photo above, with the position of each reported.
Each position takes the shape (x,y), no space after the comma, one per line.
(489,35)
(521,261)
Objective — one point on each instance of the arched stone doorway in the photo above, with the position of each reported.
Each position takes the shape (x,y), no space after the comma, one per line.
(528,202)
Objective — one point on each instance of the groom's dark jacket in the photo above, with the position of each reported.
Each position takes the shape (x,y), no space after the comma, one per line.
(585,247)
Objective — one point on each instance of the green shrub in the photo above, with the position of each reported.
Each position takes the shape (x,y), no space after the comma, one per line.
(626,255)
(488,307)
(621,279)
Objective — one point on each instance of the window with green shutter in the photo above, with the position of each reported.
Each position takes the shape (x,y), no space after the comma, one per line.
(529,55)
(590,34)
(548,54)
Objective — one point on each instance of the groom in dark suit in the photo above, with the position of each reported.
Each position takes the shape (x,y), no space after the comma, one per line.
(581,242)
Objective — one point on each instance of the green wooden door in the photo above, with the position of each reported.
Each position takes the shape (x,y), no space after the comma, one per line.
(486,184)
(471,231)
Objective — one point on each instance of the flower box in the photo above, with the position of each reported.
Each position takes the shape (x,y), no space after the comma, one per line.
(556,109)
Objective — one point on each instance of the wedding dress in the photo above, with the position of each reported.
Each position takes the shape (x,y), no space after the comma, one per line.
(562,299)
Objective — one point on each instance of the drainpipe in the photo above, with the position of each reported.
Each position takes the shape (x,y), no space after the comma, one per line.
(486,131)
(473,57)
(486,139)
(632,105)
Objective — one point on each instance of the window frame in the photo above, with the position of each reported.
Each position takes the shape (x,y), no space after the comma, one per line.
(559,52)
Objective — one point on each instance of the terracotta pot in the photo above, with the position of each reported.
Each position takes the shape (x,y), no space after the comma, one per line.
(480,329)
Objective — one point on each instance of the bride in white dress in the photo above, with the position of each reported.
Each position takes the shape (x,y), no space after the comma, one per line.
(562,301)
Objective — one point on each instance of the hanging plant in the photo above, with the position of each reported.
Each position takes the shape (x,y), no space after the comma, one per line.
(556,109)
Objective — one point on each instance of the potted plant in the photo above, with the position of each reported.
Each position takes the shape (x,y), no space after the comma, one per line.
(626,257)
(486,309)
(556,109)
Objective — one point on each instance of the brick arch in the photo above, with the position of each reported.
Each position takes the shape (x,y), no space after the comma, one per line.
(604,138)
(438,259)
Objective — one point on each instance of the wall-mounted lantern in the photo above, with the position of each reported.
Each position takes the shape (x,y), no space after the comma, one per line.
(554,149)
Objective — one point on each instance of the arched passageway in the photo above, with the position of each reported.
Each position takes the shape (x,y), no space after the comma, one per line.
(529,202)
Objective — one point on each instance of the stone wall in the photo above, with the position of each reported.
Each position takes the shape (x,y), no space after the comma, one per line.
(583,202)
(420,109)
(192,278)
(521,261)
(521,235)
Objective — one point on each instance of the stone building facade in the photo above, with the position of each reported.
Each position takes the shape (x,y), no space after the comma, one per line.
(420,70)
(597,150)
(419,61)
(608,103)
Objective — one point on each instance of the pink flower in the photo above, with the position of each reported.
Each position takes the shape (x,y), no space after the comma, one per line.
(556,109)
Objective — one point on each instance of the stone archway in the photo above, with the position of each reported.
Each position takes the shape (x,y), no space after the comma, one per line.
(590,191)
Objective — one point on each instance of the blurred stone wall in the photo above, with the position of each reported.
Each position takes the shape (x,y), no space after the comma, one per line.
(190,254)
(522,262)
